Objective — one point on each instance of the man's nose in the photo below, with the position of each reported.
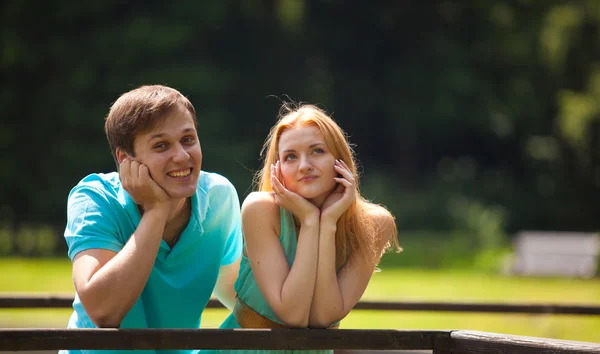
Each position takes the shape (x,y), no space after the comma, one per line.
(180,153)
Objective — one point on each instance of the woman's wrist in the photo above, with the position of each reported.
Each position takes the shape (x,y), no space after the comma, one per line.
(328,225)
(310,220)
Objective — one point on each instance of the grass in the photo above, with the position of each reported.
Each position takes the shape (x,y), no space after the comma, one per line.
(53,276)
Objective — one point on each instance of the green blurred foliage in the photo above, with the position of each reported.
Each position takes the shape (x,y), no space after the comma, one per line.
(476,117)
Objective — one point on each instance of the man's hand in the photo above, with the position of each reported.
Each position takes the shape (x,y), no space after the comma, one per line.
(136,180)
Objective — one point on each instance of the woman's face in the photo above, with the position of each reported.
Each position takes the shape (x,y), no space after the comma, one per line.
(306,163)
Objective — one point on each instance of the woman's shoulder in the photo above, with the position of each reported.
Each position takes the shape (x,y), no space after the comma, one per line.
(260,210)
(260,203)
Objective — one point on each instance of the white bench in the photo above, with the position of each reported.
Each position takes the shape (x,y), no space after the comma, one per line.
(545,253)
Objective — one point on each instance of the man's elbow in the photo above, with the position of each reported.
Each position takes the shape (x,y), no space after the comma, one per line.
(104,319)
(101,316)
(106,322)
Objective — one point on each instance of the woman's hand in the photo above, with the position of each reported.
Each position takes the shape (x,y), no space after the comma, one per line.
(137,181)
(342,197)
(303,209)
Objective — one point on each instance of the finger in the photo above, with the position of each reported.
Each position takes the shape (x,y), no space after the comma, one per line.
(135,169)
(277,187)
(277,198)
(144,174)
(280,175)
(273,179)
(343,164)
(274,185)
(345,174)
(343,181)
(125,170)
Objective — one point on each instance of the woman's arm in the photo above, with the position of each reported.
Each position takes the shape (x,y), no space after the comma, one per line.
(336,293)
(288,291)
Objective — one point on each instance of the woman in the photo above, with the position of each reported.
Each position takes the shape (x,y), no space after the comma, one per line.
(312,241)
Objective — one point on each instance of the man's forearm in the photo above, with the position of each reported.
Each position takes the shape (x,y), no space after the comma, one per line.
(112,290)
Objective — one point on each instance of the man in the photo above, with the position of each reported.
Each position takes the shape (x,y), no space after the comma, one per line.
(151,242)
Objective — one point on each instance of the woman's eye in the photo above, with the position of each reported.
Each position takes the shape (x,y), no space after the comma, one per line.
(160,146)
(318,151)
(289,157)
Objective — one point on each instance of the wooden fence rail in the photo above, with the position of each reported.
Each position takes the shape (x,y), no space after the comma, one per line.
(440,342)
(66,301)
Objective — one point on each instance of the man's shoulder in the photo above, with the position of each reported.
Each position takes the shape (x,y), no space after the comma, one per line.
(213,181)
(100,181)
(106,185)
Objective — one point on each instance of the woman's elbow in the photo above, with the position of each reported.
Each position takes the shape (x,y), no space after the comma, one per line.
(294,320)
(325,320)
(321,323)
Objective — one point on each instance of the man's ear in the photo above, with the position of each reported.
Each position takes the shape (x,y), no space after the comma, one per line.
(121,155)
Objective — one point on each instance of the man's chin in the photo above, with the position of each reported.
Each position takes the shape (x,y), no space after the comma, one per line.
(181,193)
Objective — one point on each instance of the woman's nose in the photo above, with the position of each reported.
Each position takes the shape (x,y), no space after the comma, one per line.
(305,165)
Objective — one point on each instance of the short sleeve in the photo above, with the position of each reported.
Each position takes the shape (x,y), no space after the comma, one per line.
(90,222)
(226,207)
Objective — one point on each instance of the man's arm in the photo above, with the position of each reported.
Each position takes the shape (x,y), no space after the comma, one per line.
(109,283)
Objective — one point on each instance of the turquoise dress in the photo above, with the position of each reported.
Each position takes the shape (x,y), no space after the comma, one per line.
(248,290)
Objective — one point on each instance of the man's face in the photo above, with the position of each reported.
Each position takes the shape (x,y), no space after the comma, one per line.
(172,153)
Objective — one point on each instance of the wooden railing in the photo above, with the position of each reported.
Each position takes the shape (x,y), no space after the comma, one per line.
(66,301)
(439,342)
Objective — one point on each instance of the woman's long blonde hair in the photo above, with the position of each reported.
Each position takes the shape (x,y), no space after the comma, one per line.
(357,228)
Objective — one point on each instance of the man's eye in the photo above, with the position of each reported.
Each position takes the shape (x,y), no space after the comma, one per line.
(188,139)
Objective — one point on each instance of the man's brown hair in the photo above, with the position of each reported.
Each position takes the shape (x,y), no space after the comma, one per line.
(139,111)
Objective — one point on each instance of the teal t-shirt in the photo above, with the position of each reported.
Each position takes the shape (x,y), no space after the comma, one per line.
(100,214)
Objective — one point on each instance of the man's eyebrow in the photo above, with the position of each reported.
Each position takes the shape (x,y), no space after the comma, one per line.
(160,135)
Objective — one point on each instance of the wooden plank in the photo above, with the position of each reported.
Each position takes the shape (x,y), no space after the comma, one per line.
(530,308)
(66,301)
(472,342)
(19,339)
